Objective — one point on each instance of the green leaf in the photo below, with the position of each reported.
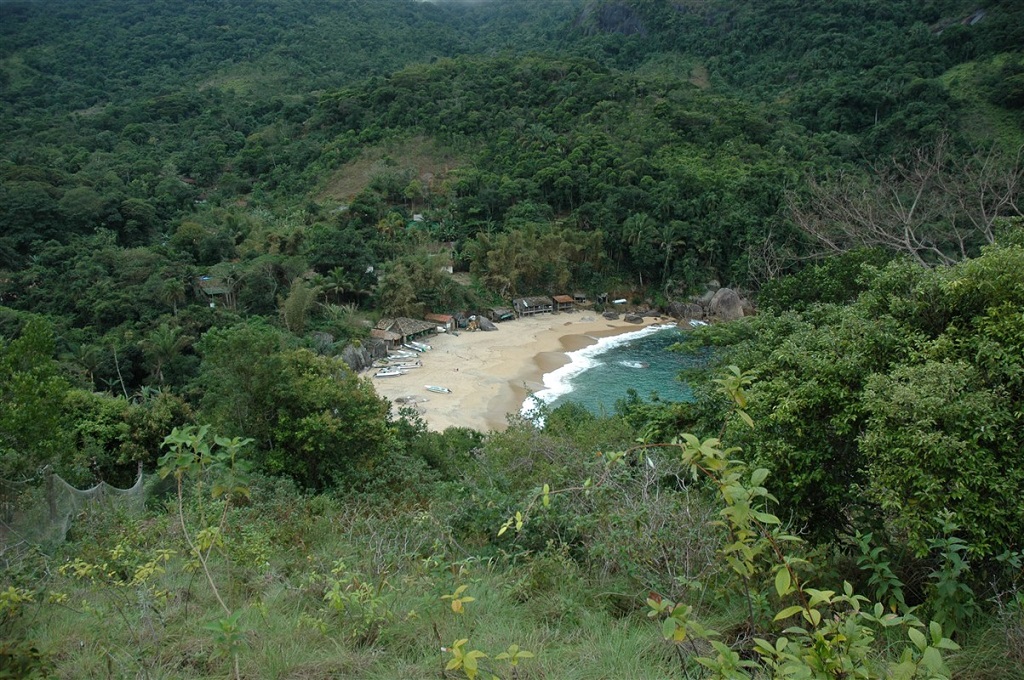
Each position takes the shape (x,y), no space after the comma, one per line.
(918,638)
(935,629)
(758,476)
(787,612)
(783,582)
(932,660)
(746,418)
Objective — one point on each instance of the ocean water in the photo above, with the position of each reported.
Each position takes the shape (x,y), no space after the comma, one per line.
(600,374)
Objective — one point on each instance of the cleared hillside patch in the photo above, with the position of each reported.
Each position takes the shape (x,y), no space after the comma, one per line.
(421,157)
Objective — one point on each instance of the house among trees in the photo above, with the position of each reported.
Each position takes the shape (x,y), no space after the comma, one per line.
(527,306)
(405,328)
(217,288)
(501,313)
(390,339)
(564,303)
(447,321)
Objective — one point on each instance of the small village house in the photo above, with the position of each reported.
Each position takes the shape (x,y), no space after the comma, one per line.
(405,328)
(390,339)
(446,321)
(497,314)
(218,290)
(564,303)
(528,306)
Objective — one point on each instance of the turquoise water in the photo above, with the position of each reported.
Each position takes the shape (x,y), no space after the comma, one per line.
(599,375)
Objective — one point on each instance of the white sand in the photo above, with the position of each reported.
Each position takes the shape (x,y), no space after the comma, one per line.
(491,373)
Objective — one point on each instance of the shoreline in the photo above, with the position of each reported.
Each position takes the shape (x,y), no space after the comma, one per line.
(492,373)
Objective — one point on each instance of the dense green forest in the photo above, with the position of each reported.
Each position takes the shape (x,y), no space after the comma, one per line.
(204,205)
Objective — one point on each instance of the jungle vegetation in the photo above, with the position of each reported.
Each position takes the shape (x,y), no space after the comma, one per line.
(202,204)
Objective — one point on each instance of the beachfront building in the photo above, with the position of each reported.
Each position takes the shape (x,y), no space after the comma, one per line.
(390,339)
(528,306)
(564,303)
(446,321)
(501,314)
(405,328)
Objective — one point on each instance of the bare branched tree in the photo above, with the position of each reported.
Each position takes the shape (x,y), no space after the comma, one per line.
(932,205)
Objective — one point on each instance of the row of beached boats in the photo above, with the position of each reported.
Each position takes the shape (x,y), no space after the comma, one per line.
(400,362)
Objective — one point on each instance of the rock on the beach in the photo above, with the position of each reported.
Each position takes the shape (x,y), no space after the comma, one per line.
(726,305)
(611,316)
(485,324)
(686,311)
(361,357)
(633,318)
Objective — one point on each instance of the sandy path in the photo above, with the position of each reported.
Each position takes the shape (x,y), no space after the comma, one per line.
(490,374)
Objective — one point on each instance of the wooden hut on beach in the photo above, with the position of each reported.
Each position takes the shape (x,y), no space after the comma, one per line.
(528,306)
(564,303)
(446,321)
(405,328)
(390,339)
(501,314)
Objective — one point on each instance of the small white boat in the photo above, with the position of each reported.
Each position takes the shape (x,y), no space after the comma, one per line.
(397,363)
(402,354)
(422,346)
(414,347)
(388,372)
(438,389)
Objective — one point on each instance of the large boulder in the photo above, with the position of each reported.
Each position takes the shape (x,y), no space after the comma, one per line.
(685,311)
(633,318)
(611,316)
(360,357)
(485,324)
(675,309)
(726,305)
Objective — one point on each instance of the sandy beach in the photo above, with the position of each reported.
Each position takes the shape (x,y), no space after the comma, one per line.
(491,373)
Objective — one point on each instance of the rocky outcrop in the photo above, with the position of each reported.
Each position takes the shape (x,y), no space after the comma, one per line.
(748,307)
(685,311)
(611,316)
(360,357)
(485,324)
(633,318)
(726,305)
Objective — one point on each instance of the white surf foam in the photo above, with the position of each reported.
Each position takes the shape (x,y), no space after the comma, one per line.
(559,382)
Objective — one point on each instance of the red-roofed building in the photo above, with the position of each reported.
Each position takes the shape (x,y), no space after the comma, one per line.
(564,303)
(442,320)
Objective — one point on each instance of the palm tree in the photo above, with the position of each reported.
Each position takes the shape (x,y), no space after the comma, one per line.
(172,292)
(336,283)
(162,345)
(89,358)
(670,237)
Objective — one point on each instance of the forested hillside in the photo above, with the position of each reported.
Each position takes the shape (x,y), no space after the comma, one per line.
(205,205)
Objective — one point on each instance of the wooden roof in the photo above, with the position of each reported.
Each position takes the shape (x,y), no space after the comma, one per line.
(535,301)
(564,298)
(385,335)
(405,326)
(213,285)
